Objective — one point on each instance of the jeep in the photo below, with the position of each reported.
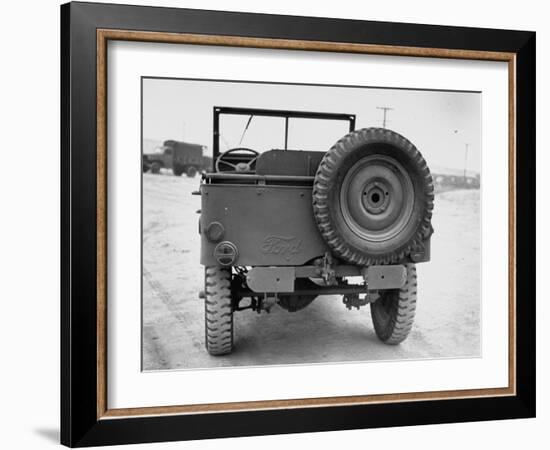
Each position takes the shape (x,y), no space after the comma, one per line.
(282,226)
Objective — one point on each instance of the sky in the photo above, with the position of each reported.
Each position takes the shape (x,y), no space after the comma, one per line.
(439,123)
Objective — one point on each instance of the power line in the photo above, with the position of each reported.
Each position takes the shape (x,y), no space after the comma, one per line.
(385,109)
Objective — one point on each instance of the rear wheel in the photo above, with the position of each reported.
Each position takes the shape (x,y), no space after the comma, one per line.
(218,310)
(191,171)
(177,170)
(393,312)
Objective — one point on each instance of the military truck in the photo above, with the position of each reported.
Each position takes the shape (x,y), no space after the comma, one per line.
(181,157)
(282,226)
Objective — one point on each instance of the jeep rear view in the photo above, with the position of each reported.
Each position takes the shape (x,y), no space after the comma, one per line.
(281,226)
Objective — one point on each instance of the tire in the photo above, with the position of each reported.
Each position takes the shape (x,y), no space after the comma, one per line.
(155,168)
(393,313)
(177,170)
(191,171)
(218,310)
(373,197)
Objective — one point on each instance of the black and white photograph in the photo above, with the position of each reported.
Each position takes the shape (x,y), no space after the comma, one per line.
(298,224)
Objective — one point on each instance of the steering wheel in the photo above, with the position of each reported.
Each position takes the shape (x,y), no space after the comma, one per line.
(241,166)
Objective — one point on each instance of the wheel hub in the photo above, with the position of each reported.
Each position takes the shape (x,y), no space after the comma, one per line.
(376,198)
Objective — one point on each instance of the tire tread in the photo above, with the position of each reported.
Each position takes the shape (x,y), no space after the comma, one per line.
(218,310)
(395,328)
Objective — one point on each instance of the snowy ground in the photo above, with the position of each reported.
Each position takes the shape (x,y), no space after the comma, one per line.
(447,323)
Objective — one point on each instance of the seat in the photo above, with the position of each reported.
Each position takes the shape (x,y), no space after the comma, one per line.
(289,162)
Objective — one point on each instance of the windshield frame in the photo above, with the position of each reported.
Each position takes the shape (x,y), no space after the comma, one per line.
(286,114)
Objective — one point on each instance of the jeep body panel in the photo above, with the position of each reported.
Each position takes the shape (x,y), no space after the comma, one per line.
(271,225)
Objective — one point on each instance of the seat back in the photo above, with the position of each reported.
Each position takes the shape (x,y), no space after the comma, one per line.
(288,162)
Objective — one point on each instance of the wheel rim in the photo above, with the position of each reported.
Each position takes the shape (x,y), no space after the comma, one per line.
(377,198)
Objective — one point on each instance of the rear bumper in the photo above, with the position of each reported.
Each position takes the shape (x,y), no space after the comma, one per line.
(282,279)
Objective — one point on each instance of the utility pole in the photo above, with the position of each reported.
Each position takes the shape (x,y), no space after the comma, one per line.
(385,109)
(465,159)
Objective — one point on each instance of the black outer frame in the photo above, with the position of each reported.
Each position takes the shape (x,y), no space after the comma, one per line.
(79,424)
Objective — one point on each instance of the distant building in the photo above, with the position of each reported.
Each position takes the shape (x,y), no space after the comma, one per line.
(446,179)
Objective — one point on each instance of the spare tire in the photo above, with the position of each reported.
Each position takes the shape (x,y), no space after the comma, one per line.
(373,197)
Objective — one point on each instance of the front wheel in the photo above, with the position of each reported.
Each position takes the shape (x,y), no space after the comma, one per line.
(393,312)
(218,310)
(155,168)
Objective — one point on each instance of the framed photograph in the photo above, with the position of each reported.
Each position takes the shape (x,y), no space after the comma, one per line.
(277,224)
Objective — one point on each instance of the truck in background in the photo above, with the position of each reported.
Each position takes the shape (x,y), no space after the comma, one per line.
(181,157)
